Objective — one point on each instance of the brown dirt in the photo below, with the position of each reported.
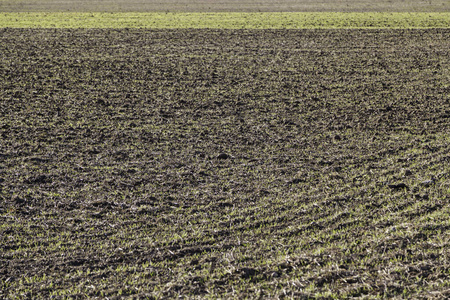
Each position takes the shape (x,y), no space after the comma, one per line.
(302,163)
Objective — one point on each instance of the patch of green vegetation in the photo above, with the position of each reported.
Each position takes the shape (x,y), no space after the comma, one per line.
(229,20)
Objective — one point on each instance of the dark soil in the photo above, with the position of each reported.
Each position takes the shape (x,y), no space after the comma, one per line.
(298,163)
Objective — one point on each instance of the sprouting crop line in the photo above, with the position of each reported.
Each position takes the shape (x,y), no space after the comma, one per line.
(229,20)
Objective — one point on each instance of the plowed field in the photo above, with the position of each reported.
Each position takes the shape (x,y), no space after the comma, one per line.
(224,163)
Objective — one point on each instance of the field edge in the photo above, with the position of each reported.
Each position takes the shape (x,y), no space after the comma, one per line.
(283,20)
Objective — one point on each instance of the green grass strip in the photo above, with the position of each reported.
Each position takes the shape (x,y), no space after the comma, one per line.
(294,20)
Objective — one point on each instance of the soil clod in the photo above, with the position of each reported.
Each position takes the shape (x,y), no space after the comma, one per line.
(224,156)
(398,186)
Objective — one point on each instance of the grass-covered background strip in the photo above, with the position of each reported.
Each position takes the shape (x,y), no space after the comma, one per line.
(294,20)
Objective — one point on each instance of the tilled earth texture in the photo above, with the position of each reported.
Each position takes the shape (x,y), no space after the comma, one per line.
(224,163)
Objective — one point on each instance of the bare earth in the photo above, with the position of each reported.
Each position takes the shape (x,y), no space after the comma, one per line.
(224,163)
